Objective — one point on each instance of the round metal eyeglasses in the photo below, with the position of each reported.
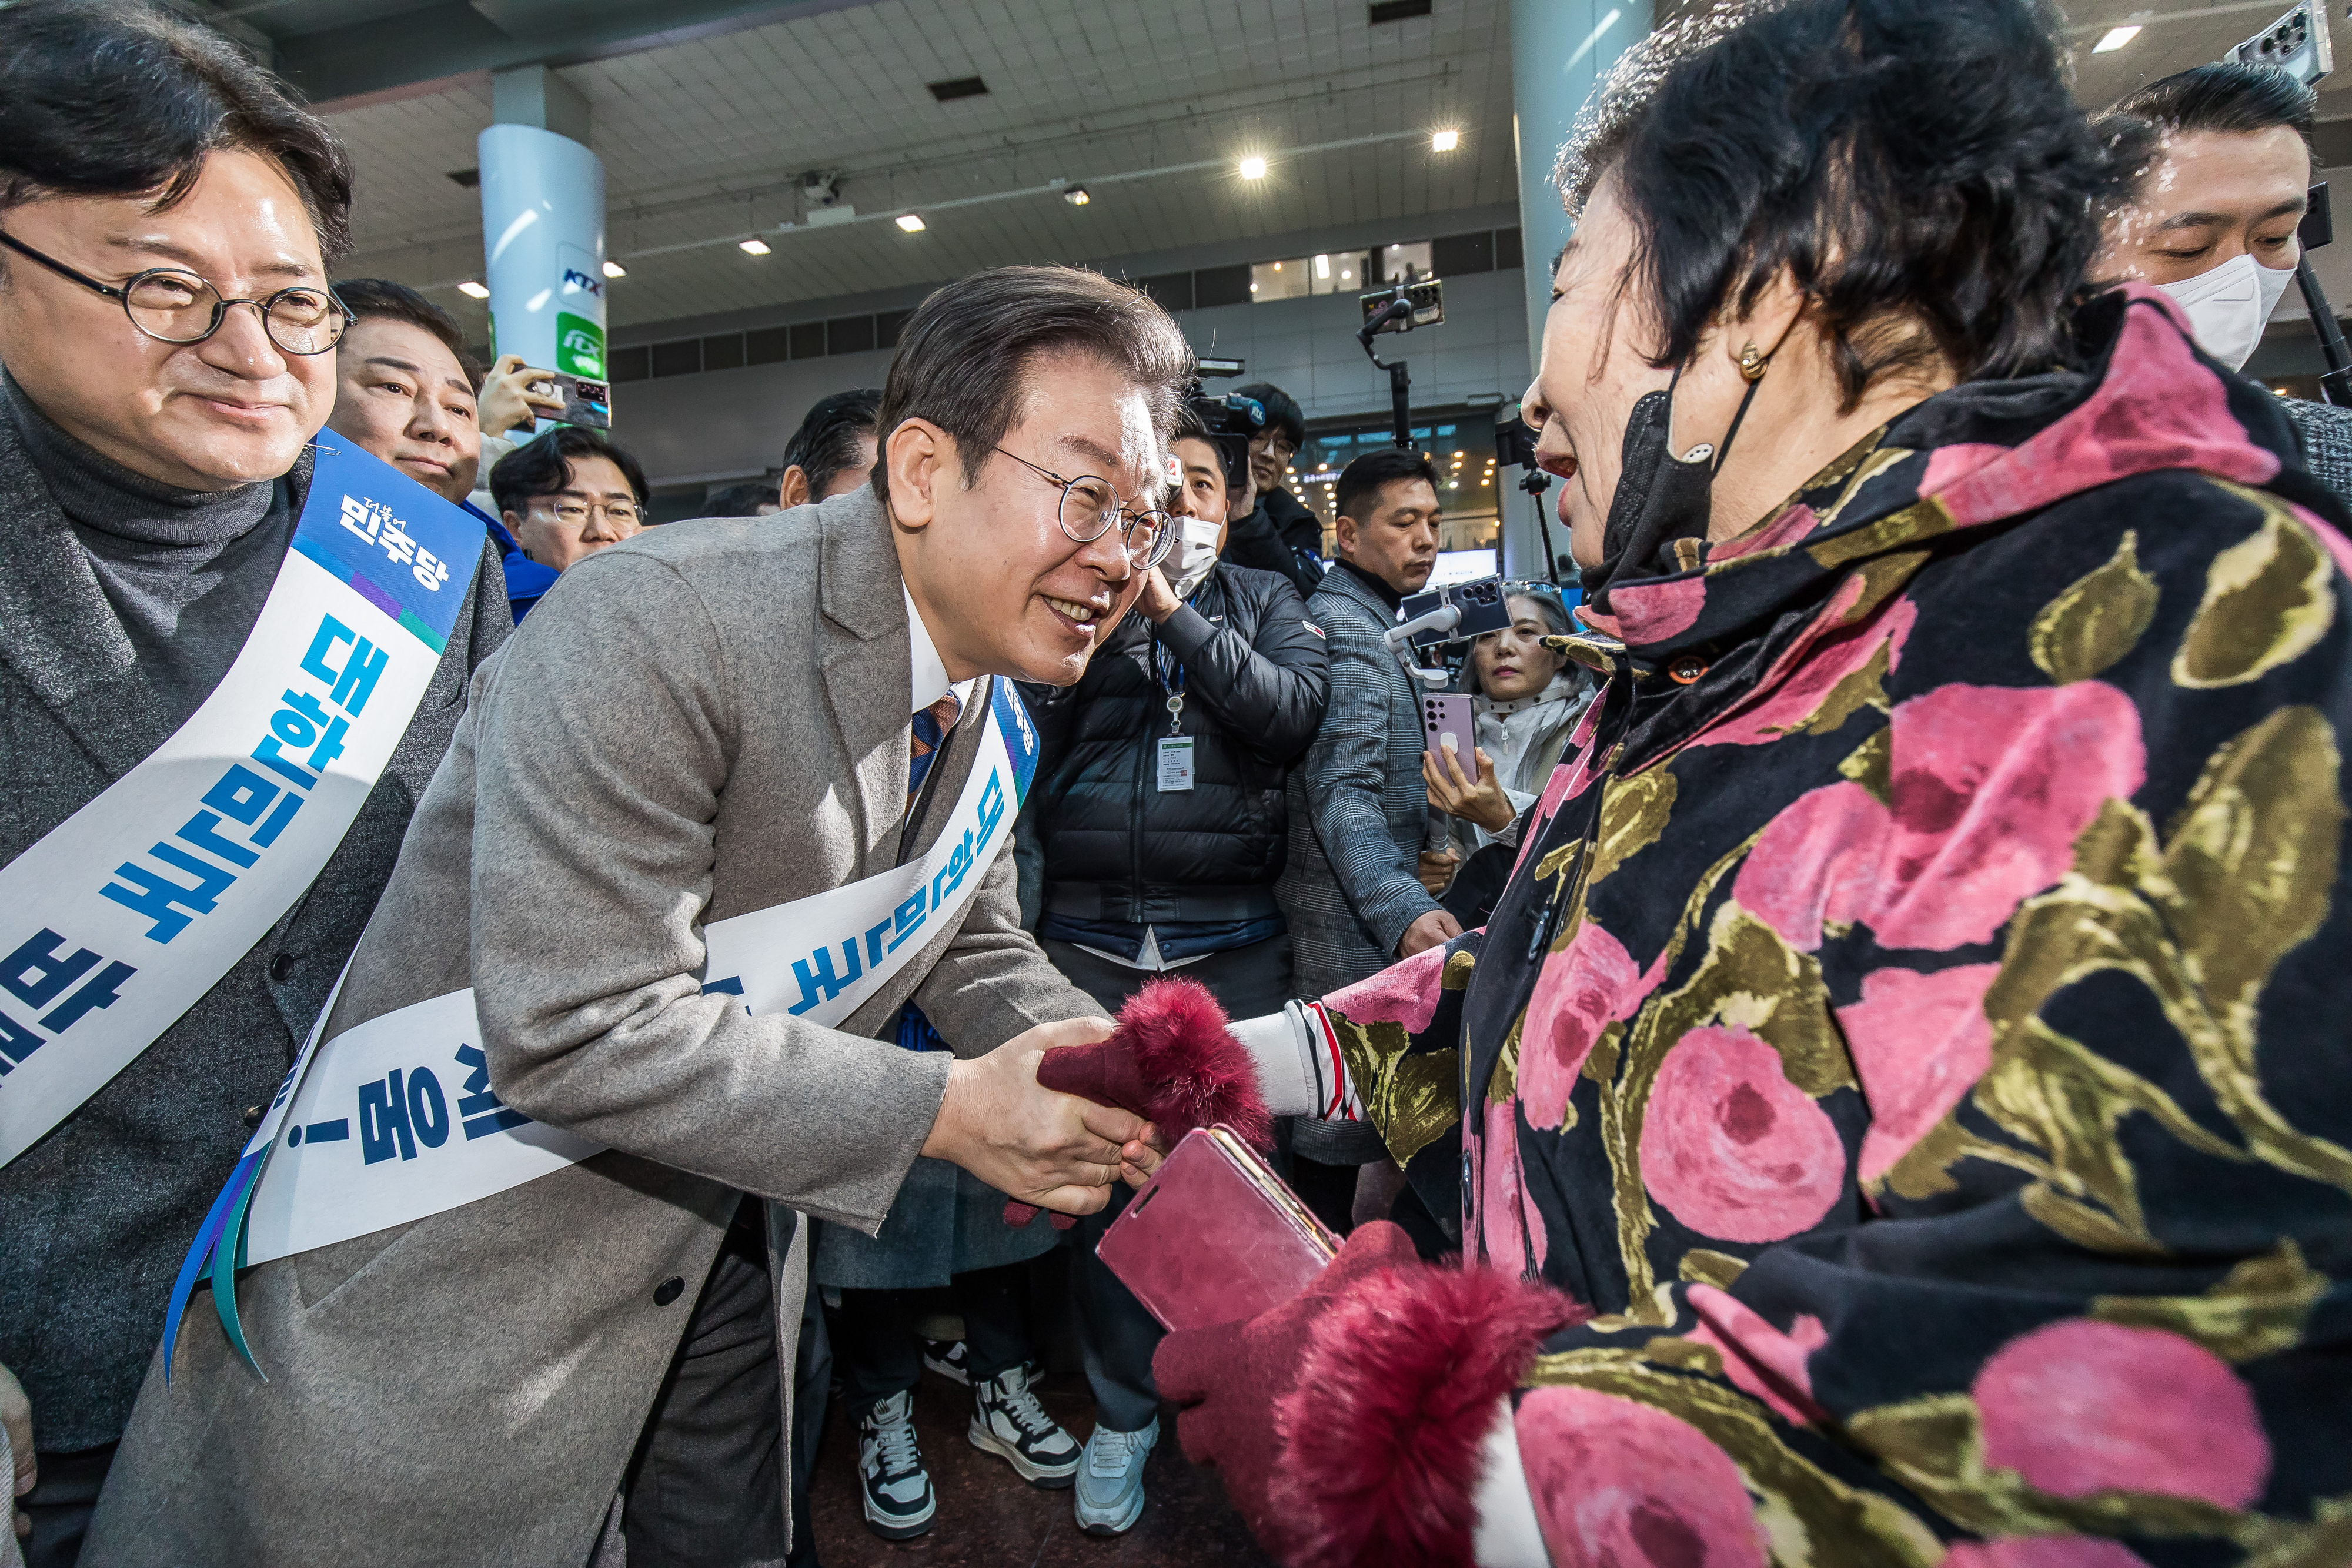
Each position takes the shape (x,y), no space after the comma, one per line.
(1090,506)
(173,305)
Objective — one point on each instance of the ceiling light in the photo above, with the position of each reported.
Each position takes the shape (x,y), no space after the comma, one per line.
(1077,196)
(2115,38)
(472,290)
(1446,142)
(1252,288)
(614,270)
(911,222)
(1253,168)
(1322,266)
(752,246)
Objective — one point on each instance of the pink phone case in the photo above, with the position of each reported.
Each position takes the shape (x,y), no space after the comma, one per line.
(1450,715)
(1215,1237)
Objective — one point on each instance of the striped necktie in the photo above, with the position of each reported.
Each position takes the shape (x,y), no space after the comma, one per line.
(931,726)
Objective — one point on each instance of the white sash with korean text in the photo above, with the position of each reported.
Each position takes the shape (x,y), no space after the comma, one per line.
(397,1120)
(122,916)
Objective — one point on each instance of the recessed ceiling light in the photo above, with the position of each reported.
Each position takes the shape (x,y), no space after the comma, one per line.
(614,270)
(753,247)
(2115,38)
(1077,196)
(472,290)
(1446,142)
(911,222)
(1253,168)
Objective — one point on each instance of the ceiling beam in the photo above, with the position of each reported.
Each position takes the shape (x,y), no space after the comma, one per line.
(369,60)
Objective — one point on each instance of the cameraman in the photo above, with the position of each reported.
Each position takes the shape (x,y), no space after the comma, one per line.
(1271,528)
(1161,815)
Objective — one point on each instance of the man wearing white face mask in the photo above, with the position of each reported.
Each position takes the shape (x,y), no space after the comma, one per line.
(2213,222)
(1160,809)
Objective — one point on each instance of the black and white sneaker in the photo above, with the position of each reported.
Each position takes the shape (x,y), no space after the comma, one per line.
(1007,1421)
(898,1498)
(950,1358)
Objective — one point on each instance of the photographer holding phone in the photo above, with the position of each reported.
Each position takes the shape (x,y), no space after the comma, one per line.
(1526,698)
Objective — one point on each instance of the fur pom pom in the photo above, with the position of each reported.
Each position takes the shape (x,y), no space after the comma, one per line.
(1383,1433)
(1198,1072)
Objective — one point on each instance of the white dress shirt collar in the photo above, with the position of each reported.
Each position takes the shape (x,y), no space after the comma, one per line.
(927,674)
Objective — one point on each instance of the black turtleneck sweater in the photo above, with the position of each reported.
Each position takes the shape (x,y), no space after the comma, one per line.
(1378,586)
(185,571)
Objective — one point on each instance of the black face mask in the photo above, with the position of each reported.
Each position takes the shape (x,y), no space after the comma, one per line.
(1660,497)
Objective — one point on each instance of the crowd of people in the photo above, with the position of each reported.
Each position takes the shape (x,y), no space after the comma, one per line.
(1845,1066)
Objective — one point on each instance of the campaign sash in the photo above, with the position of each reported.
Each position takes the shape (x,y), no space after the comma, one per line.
(395,1120)
(126,912)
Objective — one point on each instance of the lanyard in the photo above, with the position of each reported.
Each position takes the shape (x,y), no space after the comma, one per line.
(1171,682)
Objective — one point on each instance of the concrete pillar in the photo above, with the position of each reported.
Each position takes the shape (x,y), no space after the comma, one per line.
(1559,50)
(543,224)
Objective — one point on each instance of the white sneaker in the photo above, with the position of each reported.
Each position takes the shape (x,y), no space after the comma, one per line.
(950,1358)
(1109,1495)
(1007,1421)
(899,1502)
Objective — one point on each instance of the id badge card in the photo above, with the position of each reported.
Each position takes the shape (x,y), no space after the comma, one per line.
(1175,763)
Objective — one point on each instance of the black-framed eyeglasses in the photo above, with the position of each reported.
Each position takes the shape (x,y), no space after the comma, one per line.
(173,305)
(1090,506)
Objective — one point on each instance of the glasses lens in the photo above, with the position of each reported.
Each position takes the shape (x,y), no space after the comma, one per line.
(176,307)
(1149,537)
(303,321)
(1088,507)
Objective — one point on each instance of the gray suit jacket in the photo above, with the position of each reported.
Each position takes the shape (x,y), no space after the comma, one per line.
(708,719)
(95,1217)
(1359,806)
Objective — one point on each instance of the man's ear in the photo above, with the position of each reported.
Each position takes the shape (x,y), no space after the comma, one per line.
(1344,535)
(918,458)
(793,489)
(513,520)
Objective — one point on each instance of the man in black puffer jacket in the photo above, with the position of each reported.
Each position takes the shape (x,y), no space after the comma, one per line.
(1160,809)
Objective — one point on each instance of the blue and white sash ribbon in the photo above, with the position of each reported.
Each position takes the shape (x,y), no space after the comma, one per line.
(395,1120)
(122,916)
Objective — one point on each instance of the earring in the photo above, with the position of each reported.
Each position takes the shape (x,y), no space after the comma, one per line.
(1752,361)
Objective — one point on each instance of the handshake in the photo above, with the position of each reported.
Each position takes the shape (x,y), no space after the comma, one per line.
(1053,1116)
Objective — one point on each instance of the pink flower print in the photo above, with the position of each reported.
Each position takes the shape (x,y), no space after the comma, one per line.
(2042,1551)
(1920,1044)
(2081,1405)
(1787,529)
(1814,670)
(1652,612)
(1566,780)
(1731,1147)
(1511,1232)
(1988,788)
(2158,407)
(1406,992)
(1758,1357)
(1583,988)
(1618,1484)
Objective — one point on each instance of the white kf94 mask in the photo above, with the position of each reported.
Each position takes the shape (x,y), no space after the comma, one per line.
(2228,305)
(1195,552)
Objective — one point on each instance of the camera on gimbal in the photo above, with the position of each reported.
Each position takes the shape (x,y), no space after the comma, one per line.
(1234,422)
(1479,608)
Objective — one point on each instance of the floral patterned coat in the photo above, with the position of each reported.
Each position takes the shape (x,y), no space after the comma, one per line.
(1917,1023)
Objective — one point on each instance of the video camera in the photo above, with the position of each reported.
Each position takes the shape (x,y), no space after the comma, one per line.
(1476,607)
(1234,421)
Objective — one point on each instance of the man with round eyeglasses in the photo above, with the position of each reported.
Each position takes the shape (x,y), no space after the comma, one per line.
(166,329)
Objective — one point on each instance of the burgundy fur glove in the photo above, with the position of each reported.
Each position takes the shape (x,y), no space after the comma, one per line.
(1172,1063)
(1349,1423)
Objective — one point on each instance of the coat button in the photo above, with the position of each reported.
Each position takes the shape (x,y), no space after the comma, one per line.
(253,1115)
(1686,669)
(668,1291)
(281,966)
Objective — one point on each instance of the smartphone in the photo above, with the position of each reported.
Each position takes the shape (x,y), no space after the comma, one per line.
(1449,717)
(584,401)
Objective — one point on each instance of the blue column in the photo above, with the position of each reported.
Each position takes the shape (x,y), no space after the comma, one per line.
(1559,50)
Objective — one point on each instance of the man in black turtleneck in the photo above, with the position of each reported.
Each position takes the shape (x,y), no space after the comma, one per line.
(148,493)
(1359,806)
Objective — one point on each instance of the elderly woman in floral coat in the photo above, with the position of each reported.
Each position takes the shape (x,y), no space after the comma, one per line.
(1900,1110)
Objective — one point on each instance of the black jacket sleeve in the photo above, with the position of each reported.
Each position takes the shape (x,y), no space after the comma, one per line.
(1268,692)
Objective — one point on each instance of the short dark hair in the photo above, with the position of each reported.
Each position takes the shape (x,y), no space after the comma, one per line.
(542,465)
(1282,411)
(2224,95)
(1906,163)
(381,299)
(826,444)
(1189,425)
(101,98)
(1361,480)
(742,501)
(964,354)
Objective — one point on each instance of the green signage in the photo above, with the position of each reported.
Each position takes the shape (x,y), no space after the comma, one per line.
(579,346)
